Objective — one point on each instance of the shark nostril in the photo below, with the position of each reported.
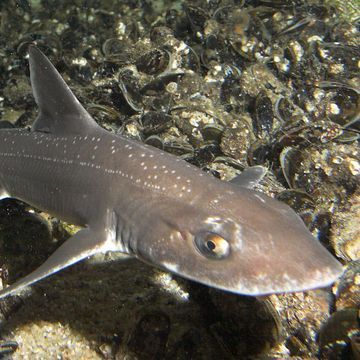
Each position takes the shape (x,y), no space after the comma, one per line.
(212,246)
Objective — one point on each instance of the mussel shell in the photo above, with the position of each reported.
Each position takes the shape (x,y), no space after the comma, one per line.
(205,155)
(263,117)
(262,323)
(81,71)
(300,201)
(151,325)
(109,112)
(155,122)
(335,334)
(347,102)
(290,159)
(178,148)
(229,161)
(196,16)
(212,132)
(160,33)
(259,153)
(159,83)
(235,141)
(283,109)
(129,87)
(153,62)
(348,136)
(156,141)
(116,50)
(347,289)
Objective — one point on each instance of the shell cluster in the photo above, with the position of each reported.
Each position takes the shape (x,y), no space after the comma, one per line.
(223,84)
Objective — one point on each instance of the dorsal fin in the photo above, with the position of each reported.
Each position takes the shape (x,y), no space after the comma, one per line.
(60,112)
(250,177)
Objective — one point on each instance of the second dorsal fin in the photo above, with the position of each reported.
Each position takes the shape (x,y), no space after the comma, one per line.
(250,177)
(60,112)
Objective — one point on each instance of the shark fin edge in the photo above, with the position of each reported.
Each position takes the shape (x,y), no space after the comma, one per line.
(250,177)
(60,112)
(83,244)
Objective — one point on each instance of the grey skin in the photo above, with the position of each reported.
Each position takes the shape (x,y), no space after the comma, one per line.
(133,198)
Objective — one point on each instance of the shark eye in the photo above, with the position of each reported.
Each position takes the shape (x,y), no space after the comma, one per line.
(212,246)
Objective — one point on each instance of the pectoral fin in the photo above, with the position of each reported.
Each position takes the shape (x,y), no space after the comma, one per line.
(83,244)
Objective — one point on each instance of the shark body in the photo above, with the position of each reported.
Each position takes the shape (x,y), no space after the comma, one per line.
(133,198)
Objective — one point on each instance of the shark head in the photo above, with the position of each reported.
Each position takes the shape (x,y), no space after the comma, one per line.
(242,241)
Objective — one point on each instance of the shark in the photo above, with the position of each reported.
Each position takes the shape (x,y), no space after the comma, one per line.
(136,199)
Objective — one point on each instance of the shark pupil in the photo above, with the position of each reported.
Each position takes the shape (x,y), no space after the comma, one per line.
(212,246)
